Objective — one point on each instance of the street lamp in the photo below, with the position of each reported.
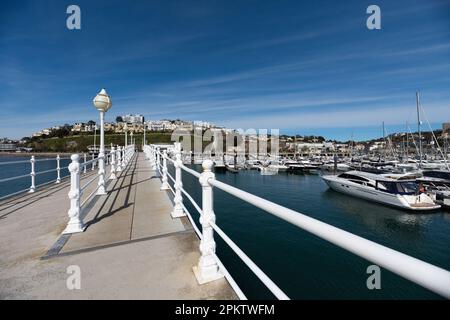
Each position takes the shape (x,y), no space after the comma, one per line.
(144,141)
(103,103)
(131,138)
(125,128)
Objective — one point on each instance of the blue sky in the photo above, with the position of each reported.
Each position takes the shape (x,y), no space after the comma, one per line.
(307,67)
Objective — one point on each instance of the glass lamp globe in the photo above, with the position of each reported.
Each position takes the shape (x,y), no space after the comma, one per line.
(102,101)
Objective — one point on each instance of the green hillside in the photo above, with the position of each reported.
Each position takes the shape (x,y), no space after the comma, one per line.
(80,143)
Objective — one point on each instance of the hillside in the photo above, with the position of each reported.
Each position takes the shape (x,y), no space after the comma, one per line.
(80,143)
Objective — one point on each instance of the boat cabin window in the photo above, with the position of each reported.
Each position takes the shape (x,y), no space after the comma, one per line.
(352,177)
(437,174)
(405,187)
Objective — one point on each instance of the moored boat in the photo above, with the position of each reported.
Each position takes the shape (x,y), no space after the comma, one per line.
(382,189)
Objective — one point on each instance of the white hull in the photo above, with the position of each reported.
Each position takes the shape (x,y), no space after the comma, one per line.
(278,167)
(409,202)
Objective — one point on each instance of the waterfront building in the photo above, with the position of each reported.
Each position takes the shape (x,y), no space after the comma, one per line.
(110,126)
(133,118)
(5,147)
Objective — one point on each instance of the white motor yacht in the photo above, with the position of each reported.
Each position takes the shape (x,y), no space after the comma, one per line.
(278,167)
(382,189)
(268,171)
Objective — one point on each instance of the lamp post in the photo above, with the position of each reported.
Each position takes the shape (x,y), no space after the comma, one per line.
(103,103)
(131,138)
(125,128)
(143,143)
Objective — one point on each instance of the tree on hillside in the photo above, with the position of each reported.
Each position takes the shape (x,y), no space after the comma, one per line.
(119,119)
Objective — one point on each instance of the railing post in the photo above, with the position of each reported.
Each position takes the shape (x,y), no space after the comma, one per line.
(178,210)
(165,185)
(33,175)
(75,223)
(85,166)
(113,164)
(158,161)
(58,169)
(119,159)
(93,162)
(145,149)
(153,158)
(207,269)
(101,175)
(124,159)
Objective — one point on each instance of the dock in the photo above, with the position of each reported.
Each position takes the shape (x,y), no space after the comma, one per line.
(131,249)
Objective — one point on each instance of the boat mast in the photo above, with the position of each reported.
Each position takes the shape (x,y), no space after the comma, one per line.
(407,142)
(418,128)
(351,149)
(384,141)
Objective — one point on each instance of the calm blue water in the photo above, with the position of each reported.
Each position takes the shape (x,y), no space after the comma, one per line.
(12,170)
(304,266)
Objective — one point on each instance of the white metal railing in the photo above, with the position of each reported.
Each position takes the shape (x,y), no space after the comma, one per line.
(33,173)
(117,158)
(210,267)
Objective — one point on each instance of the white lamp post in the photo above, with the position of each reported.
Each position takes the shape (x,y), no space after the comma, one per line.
(103,103)
(131,138)
(125,128)
(144,142)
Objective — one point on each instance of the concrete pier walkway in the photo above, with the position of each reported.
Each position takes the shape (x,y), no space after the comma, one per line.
(131,249)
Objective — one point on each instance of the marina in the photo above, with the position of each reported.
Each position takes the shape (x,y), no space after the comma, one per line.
(421,234)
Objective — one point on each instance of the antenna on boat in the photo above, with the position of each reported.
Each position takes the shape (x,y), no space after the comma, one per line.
(418,128)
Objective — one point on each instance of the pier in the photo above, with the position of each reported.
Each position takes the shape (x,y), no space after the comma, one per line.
(131,247)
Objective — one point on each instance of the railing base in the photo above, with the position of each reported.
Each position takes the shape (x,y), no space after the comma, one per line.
(178,213)
(164,186)
(202,278)
(101,192)
(74,228)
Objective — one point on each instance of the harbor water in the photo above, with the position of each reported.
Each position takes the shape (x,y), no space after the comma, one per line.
(305,266)
(302,265)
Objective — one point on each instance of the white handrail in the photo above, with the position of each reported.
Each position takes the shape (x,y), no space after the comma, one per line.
(16,177)
(192,201)
(28,161)
(249,262)
(15,162)
(93,193)
(89,182)
(193,172)
(33,174)
(230,279)
(425,274)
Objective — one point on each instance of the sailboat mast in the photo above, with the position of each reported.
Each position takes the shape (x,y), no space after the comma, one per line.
(418,128)
(407,142)
(351,150)
(384,141)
